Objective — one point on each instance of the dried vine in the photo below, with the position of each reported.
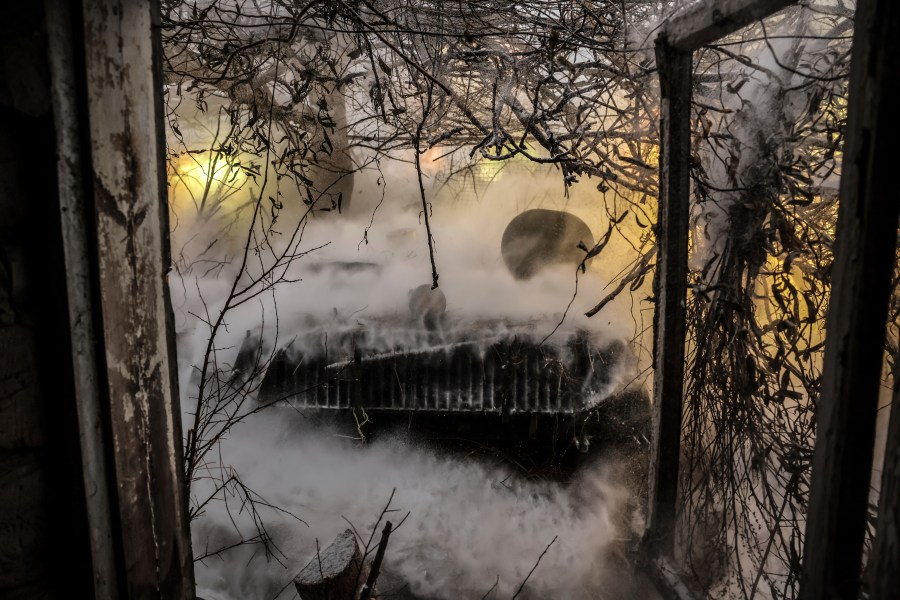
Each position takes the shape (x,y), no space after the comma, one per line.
(768,130)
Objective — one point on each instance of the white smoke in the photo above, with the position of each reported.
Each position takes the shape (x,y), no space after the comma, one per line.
(388,256)
(469,523)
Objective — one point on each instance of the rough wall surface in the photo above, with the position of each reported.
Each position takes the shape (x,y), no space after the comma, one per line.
(43,551)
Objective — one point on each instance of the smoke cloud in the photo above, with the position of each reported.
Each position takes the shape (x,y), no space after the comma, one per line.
(470,523)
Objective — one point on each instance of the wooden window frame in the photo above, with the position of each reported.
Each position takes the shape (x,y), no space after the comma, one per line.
(864,262)
(112,179)
(106,83)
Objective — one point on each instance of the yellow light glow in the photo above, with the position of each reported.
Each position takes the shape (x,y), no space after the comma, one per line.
(202,168)
(208,181)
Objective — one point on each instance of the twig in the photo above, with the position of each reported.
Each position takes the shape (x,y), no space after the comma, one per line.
(493,587)
(416,144)
(319,559)
(640,270)
(565,312)
(376,563)
(527,577)
(368,544)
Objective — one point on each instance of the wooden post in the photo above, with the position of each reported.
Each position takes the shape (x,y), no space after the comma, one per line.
(128,200)
(670,291)
(885,558)
(701,23)
(705,22)
(864,261)
(77,234)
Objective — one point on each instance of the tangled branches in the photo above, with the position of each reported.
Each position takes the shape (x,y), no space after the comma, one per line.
(768,134)
(328,85)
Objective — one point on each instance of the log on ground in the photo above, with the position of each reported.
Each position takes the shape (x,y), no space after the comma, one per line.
(335,573)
